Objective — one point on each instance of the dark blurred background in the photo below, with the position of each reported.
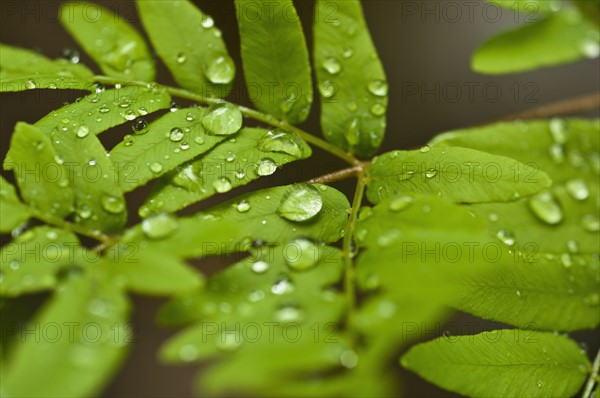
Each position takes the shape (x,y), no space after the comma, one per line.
(425,47)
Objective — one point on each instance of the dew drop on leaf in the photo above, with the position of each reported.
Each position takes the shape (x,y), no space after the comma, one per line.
(506,236)
(300,203)
(222,119)
(283,141)
(327,89)
(156,167)
(207,22)
(176,134)
(113,204)
(400,203)
(578,189)
(282,286)
(558,131)
(301,254)
(557,153)
(30,84)
(566,260)
(139,126)
(425,149)
(222,185)
(431,173)
(219,69)
(389,238)
(181,58)
(83,131)
(572,246)
(128,140)
(545,208)
(242,206)
(266,167)
(288,313)
(332,65)
(378,110)
(378,88)
(591,223)
(260,267)
(159,226)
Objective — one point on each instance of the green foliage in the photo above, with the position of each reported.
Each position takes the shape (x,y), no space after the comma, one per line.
(499,221)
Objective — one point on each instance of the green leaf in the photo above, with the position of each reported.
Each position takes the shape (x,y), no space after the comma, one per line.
(502,363)
(151,271)
(42,180)
(175,138)
(31,262)
(189,44)
(538,293)
(529,6)
(560,38)
(251,154)
(12,212)
(458,174)
(115,45)
(102,110)
(22,69)
(270,293)
(351,79)
(568,150)
(80,344)
(275,58)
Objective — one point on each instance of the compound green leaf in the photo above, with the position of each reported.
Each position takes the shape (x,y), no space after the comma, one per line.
(562,37)
(174,139)
(42,180)
(459,174)
(84,338)
(116,46)
(502,363)
(12,212)
(99,201)
(100,111)
(351,80)
(31,261)
(151,271)
(569,152)
(531,7)
(253,153)
(190,45)
(22,69)
(557,293)
(275,58)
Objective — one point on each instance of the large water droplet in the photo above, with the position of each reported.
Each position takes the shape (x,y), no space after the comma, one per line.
(578,189)
(591,223)
(300,203)
(301,254)
(71,55)
(113,204)
(156,167)
(327,89)
(260,267)
(242,206)
(176,134)
(30,84)
(332,65)
(400,203)
(160,226)
(378,109)
(222,185)
(282,286)
(506,236)
(280,140)
(83,131)
(378,88)
(266,167)
(545,208)
(289,313)
(222,119)
(219,69)
(139,126)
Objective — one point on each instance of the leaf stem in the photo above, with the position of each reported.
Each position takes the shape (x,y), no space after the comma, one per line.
(348,252)
(336,175)
(248,112)
(594,378)
(560,108)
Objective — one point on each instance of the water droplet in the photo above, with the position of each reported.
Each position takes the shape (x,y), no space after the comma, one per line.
(207,22)
(545,208)
(104,109)
(266,167)
(349,359)
(181,58)
(378,88)
(425,149)
(142,111)
(591,223)
(300,203)
(256,296)
(82,131)
(431,173)
(566,260)
(332,65)
(84,212)
(199,140)
(113,204)
(540,383)
(506,236)
(70,55)
(378,109)
(282,286)
(30,84)
(176,134)
(590,48)
(348,52)
(222,185)
(557,153)
(327,89)
(229,341)
(242,206)
(128,139)
(289,313)
(389,238)
(219,69)
(578,189)
(558,131)
(283,141)
(129,115)
(302,254)
(156,167)
(353,132)
(400,203)
(573,246)
(222,119)
(493,217)
(260,267)
(139,126)
(518,293)
(98,88)
(160,226)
